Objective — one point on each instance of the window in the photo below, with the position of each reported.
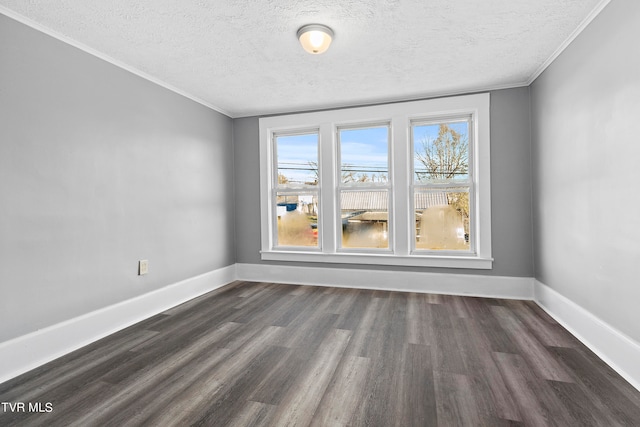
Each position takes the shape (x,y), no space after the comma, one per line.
(397,184)
(295,190)
(364,187)
(441,184)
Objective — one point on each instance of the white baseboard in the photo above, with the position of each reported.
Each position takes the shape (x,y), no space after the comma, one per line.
(29,351)
(405,281)
(612,346)
(24,353)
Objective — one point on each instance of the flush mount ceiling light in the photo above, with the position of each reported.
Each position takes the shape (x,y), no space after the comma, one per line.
(315,38)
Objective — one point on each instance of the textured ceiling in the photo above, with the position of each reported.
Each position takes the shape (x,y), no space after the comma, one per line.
(242,57)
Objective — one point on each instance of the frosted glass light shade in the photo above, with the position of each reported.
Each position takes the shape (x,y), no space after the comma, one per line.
(315,38)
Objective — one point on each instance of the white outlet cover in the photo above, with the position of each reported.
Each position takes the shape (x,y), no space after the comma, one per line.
(143,267)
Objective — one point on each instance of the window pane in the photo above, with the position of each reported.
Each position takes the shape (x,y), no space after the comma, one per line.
(297,159)
(297,219)
(442,219)
(365,216)
(364,154)
(441,152)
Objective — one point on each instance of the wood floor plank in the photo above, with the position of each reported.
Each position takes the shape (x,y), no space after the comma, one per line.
(457,305)
(479,308)
(309,337)
(262,291)
(158,382)
(193,401)
(194,322)
(604,386)
(418,395)
(66,408)
(419,319)
(253,414)
(301,290)
(545,365)
(142,407)
(495,400)
(160,360)
(305,341)
(352,317)
(248,289)
(30,387)
(222,408)
(343,299)
(445,348)
(582,406)
(386,380)
(550,335)
(269,354)
(285,373)
(355,313)
(363,330)
(537,402)
(434,298)
(379,405)
(134,403)
(455,402)
(296,307)
(300,404)
(318,306)
(343,393)
(377,331)
(268,306)
(495,335)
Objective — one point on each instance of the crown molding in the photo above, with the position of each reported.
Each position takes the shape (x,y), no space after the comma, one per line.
(56,35)
(585,22)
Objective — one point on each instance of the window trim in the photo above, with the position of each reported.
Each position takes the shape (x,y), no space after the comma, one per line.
(400,116)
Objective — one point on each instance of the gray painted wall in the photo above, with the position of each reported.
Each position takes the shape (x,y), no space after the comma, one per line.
(510,189)
(585,149)
(100,168)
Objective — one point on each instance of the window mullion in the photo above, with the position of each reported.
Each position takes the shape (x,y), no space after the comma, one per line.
(400,213)
(328,193)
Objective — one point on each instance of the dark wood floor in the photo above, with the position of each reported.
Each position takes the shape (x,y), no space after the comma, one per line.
(269,354)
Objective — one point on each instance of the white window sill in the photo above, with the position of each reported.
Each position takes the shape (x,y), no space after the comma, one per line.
(445,261)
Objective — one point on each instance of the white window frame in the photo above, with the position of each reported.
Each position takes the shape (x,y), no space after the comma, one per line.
(401,217)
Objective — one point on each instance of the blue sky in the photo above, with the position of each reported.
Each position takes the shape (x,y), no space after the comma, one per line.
(364,149)
(294,154)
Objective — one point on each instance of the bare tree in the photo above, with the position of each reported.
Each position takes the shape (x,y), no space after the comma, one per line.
(349,174)
(282,179)
(444,157)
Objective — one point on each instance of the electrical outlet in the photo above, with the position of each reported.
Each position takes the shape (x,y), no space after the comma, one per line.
(143,267)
